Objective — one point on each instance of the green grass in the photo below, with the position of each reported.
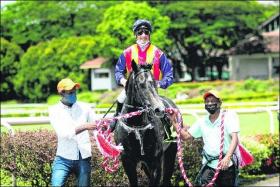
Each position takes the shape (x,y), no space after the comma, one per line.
(250,124)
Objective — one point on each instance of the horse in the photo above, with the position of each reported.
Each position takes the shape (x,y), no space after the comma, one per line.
(142,136)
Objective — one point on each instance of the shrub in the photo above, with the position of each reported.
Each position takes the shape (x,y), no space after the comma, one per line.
(53,60)
(10,55)
(272,163)
(34,153)
(29,155)
(192,162)
(35,150)
(90,97)
(265,149)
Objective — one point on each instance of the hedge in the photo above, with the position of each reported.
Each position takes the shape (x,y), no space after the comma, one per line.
(35,150)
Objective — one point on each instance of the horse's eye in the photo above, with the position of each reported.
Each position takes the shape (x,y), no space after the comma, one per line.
(141,79)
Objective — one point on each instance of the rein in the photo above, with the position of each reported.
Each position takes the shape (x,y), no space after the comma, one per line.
(104,141)
(180,150)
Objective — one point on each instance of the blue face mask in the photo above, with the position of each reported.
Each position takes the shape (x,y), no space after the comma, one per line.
(70,98)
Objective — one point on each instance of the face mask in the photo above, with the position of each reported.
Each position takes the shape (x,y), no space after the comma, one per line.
(69,98)
(211,108)
(143,43)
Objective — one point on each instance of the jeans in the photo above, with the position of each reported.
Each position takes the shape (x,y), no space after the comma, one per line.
(62,168)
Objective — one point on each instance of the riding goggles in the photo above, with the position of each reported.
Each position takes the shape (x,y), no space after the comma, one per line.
(141,31)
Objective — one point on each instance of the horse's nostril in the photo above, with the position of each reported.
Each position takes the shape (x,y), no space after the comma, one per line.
(159,113)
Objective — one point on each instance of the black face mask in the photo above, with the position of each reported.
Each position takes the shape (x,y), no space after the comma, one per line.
(211,108)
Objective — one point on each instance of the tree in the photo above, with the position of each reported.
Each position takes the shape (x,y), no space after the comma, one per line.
(200,30)
(10,54)
(27,23)
(115,30)
(43,65)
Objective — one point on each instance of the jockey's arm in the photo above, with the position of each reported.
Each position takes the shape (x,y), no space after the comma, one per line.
(120,69)
(167,72)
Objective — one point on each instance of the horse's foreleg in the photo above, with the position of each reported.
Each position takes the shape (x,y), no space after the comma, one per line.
(155,172)
(130,170)
(168,164)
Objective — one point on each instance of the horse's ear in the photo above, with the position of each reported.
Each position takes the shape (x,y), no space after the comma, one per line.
(135,67)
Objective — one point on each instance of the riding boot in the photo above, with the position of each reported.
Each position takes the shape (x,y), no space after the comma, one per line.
(118,111)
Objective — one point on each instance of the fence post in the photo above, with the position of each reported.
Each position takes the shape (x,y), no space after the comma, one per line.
(271,120)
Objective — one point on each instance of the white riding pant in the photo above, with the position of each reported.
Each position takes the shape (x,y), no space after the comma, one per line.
(121,96)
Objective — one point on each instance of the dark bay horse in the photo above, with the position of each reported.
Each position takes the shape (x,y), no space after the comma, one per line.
(143,136)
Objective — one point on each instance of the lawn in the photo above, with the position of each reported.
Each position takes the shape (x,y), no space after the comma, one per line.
(250,124)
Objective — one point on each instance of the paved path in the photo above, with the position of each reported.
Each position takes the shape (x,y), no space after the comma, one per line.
(273,181)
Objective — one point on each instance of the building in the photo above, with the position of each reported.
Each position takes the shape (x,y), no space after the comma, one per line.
(257,56)
(101,78)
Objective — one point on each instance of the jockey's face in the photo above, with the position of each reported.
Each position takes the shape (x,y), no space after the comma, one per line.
(143,35)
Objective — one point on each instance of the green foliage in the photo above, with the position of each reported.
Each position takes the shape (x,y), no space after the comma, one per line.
(43,65)
(230,91)
(29,156)
(10,55)
(30,22)
(265,149)
(90,97)
(199,29)
(192,162)
(34,152)
(249,90)
(116,27)
(53,99)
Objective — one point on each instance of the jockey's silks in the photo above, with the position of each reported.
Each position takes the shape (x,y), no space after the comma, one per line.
(150,55)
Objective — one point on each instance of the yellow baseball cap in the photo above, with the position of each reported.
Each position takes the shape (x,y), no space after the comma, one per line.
(67,84)
(215,93)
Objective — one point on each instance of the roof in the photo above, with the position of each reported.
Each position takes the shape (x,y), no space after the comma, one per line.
(272,41)
(268,42)
(94,64)
(276,16)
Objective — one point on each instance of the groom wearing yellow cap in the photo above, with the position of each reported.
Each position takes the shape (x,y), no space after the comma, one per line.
(71,121)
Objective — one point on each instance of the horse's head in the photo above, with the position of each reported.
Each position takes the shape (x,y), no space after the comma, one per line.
(141,89)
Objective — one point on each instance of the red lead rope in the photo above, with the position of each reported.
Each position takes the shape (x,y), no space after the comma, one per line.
(180,150)
(104,141)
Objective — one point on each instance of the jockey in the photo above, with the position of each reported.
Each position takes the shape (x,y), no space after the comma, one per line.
(143,52)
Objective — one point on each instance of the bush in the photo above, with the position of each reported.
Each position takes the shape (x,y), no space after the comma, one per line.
(52,61)
(265,149)
(29,155)
(192,162)
(10,55)
(34,153)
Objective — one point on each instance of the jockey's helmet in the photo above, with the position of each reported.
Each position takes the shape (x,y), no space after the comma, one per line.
(141,23)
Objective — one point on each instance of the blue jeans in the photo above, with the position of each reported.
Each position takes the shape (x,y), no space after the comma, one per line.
(62,168)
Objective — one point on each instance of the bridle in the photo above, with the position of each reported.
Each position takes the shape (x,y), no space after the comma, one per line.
(144,105)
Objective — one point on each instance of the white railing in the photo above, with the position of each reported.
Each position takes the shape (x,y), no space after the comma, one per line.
(10,121)
(42,109)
